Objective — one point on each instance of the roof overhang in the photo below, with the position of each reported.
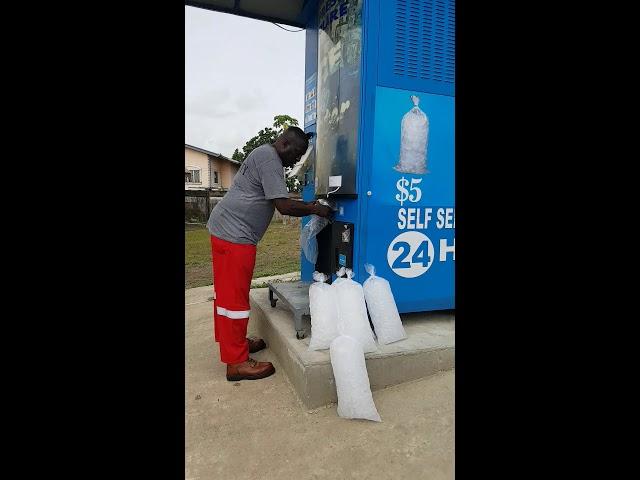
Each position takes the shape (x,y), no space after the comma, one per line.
(288,12)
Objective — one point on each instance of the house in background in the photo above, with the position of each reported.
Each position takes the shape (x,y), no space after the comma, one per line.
(205,170)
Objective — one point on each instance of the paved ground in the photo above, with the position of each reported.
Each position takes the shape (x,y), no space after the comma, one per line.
(259,429)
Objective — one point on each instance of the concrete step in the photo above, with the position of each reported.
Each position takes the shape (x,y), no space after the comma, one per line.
(429,348)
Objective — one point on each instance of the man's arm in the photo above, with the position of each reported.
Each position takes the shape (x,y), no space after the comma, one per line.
(296,208)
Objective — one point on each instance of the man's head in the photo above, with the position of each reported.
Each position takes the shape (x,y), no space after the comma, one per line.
(291,145)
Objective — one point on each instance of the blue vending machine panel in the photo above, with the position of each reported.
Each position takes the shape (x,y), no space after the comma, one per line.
(397,157)
(417,45)
(310,118)
(411,210)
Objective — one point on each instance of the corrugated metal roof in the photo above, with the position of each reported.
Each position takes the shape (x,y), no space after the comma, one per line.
(287,12)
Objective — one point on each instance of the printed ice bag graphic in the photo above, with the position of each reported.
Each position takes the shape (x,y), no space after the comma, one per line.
(414,137)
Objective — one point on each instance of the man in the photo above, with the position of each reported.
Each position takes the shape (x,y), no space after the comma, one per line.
(237,224)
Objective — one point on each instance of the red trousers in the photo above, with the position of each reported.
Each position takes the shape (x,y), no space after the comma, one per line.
(232,269)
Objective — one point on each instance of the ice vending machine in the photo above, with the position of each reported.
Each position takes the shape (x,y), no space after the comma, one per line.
(379,97)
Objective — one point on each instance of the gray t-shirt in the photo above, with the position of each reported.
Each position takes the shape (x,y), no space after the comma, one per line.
(244,213)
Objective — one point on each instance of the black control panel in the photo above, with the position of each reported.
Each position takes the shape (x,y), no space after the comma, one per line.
(335,247)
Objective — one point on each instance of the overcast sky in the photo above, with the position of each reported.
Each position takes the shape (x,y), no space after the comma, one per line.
(239,74)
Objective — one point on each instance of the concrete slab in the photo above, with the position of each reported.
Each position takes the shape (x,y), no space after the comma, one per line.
(197,295)
(429,348)
(260,430)
(285,277)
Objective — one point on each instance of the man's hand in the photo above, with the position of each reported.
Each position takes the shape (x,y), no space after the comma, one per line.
(321,210)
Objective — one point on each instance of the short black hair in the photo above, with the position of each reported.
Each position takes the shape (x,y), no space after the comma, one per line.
(298,134)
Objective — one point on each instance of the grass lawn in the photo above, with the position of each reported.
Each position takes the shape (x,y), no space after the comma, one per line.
(278,253)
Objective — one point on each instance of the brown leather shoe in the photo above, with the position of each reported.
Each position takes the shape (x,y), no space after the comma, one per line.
(256,344)
(249,370)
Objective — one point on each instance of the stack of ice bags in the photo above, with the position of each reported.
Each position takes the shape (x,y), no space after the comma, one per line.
(339,322)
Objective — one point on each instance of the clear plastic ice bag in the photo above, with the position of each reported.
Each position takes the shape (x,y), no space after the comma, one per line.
(382,308)
(323,307)
(308,239)
(352,310)
(352,380)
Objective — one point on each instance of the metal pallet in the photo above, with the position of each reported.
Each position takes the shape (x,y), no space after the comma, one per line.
(295,296)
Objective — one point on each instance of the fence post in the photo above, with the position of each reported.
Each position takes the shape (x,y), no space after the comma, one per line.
(208,205)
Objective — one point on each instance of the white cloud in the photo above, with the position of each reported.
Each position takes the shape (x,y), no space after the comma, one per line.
(239,74)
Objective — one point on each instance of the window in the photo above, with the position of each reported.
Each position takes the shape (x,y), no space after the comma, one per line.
(215,178)
(193,175)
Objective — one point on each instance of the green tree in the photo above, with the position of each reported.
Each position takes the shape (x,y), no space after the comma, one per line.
(269,135)
(282,122)
(237,156)
(266,135)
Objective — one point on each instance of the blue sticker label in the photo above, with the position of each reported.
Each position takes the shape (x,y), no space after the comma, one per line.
(342,260)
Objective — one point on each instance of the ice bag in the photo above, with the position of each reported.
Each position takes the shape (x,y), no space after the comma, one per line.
(308,239)
(352,312)
(323,306)
(352,381)
(382,308)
